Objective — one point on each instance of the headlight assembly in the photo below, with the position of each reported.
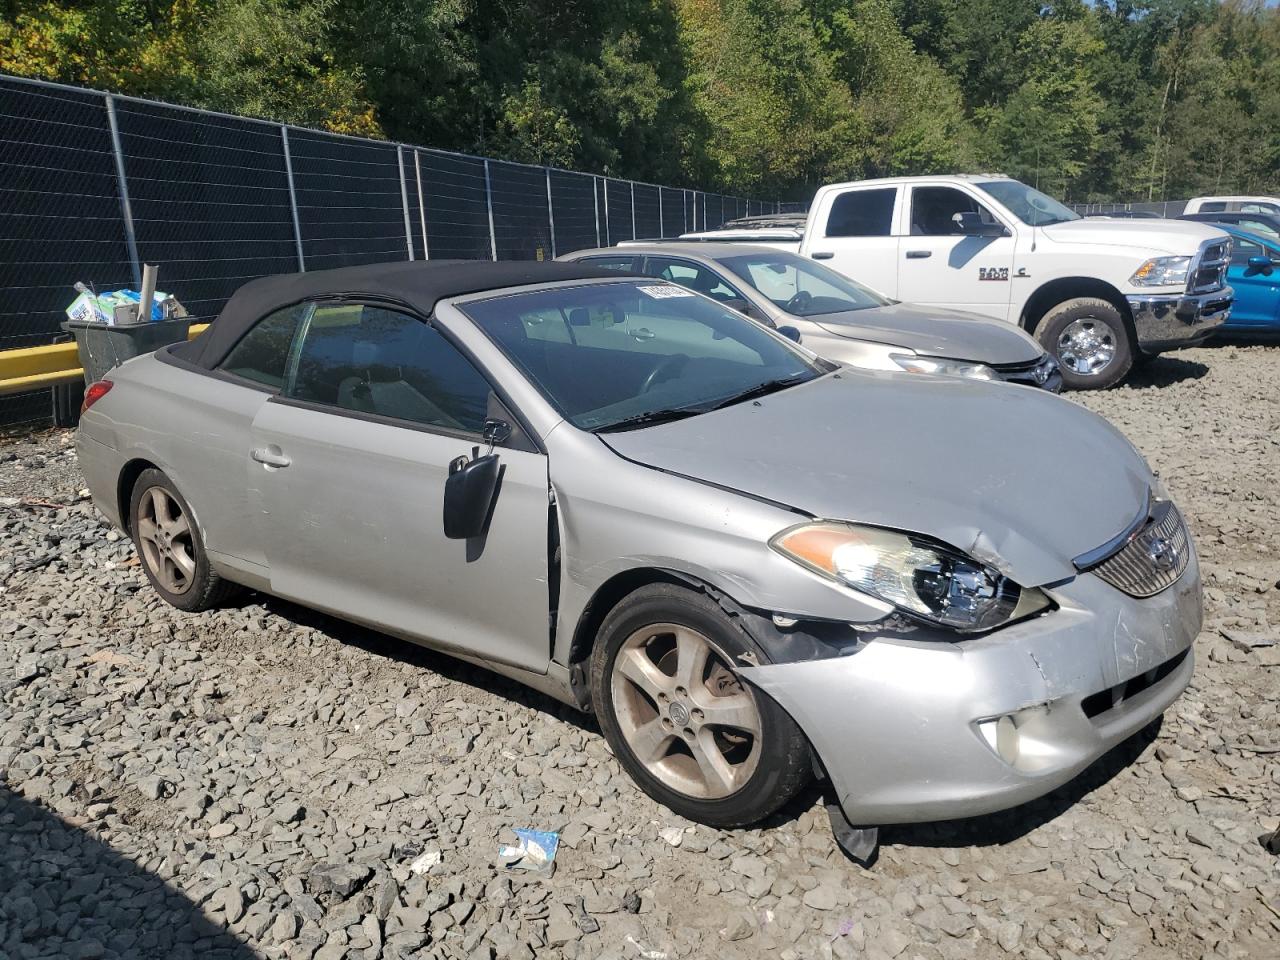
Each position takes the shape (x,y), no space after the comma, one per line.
(1161,272)
(923,579)
(945,368)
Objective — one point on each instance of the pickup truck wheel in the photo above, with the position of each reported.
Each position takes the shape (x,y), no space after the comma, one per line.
(1089,340)
(688,730)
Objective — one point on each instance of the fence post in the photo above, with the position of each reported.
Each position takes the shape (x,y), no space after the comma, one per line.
(633,209)
(661,230)
(122,187)
(684,209)
(293,198)
(404,203)
(488,202)
(551,215)
(422,208)
(595,200)
(608,234)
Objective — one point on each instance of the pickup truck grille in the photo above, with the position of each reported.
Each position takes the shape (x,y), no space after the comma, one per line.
(1209,270)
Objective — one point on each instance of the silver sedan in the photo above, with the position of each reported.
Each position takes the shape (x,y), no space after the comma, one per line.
(838,318)
(952,595)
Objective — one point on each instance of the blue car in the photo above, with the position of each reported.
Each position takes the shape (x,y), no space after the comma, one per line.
(1255,275)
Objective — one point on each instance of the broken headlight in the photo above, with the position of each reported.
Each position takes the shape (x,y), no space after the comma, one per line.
(919,577)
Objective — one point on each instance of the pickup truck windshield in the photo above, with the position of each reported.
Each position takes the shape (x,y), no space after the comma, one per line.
(1028,204)
(801,287)
(620,356)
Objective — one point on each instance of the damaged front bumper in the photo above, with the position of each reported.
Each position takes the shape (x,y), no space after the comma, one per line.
(1170,322)
(912,730)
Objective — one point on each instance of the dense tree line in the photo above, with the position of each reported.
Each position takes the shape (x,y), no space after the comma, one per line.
(1125,99)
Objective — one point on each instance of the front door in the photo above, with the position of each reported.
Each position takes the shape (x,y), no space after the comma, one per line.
(1257,289)
(351,460)
(939,266)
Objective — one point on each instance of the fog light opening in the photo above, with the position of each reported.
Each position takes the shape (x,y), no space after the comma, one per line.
(1001,734)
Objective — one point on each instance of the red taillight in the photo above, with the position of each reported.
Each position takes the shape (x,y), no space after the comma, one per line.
(94,393)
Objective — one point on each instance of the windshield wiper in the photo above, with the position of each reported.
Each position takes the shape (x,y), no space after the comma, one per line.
(760,390)
(648,419)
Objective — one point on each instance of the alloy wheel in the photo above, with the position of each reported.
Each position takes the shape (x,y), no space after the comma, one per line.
(164,534)
(1086,346)
(683,712)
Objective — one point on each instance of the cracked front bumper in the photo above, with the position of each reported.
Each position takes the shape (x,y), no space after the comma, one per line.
(1169,322)
(902,727)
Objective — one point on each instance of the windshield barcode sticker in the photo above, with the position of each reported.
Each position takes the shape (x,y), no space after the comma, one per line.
(665,291)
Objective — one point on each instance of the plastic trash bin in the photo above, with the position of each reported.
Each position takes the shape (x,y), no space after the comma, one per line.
(102,346)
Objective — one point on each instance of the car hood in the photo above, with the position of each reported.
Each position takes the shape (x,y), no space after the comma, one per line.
(1178,237)
(935,333)
(1019,479)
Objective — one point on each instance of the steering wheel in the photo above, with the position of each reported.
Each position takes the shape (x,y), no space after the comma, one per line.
(671,364)
(801,300)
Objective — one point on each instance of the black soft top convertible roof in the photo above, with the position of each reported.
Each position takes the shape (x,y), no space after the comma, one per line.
(420,284)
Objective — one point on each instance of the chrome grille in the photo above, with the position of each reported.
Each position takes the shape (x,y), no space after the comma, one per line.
(1153,558)
(1210,267)
(1034,372)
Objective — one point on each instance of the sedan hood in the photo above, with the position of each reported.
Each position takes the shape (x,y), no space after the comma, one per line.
(935,333)
(1177,237)
(1019,479)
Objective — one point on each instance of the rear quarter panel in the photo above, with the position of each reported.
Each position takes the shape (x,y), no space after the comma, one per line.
(193,426)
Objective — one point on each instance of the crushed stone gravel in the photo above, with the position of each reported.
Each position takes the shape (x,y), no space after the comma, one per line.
(264,781)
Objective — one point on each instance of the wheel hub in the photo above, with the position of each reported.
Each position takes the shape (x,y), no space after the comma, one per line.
(164,540)
(1086,347)
(683,713)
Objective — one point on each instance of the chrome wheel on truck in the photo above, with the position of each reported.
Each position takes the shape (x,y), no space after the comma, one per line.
(1091,341)
(684,714)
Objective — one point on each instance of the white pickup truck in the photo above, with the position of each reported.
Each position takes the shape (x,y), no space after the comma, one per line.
(1100,295)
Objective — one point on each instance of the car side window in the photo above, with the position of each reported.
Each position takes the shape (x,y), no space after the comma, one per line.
(1213,206)
(1242,250)
(933,211)
(262,355)
(623,264)
(862,213)
(1257,226)
(377,361)
(692,275)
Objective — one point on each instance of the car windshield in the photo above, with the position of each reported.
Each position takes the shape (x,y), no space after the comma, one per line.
(1028,204)
(802,287)
(615,356)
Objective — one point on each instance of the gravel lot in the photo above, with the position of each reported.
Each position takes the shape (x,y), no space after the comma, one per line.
(264,781)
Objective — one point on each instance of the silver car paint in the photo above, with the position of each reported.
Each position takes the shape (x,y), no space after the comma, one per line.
(703,503)
(896,723)
(1051,483)
(860,337)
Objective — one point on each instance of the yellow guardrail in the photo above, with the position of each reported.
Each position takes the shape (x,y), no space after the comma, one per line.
(31,368)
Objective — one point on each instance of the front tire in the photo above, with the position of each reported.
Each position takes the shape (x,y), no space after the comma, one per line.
(1090,341)
(170,547)
(683,725)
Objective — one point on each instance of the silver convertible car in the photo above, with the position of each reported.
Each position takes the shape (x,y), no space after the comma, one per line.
(837,318)
(947,596)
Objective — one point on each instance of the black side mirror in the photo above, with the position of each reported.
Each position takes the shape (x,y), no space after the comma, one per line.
(468,496)
(791,333)
(1261,263)
(971,224)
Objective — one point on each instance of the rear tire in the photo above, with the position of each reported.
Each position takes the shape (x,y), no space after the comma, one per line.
(170,547)
(691,734)
(1089,339)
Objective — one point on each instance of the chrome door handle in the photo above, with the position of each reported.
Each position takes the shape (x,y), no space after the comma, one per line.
(270,457)
(644,333)
(919,254)
(822,255)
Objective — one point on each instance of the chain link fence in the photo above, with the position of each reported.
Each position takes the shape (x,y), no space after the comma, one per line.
(1156,208)
(93,185)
